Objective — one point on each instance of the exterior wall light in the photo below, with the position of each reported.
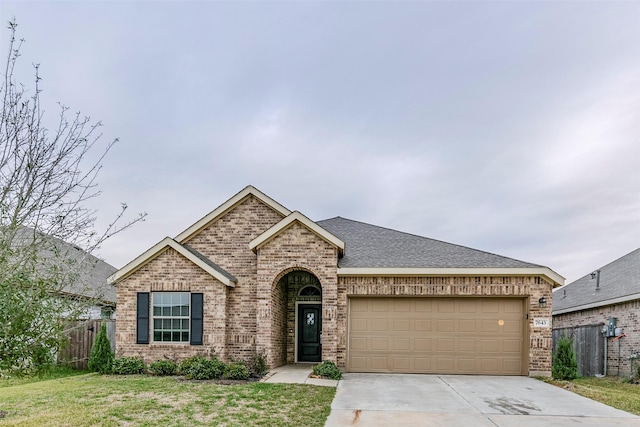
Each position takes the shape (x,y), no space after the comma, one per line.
(543,302)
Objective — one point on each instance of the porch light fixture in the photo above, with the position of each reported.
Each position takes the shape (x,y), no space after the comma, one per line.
(543,302)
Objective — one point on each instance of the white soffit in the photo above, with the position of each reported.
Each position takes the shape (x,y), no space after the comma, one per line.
(227,206)
(400,271)
(286,222)
(155,251)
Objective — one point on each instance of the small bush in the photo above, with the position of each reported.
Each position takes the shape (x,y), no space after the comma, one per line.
(163,367)
(128,366)
(236,371)
(101,357)
(327,369)
(200,368)
(258,365)
(565,365)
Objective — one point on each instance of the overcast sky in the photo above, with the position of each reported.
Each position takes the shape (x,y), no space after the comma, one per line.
(510,127)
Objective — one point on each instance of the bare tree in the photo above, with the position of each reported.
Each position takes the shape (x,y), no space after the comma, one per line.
(46,179)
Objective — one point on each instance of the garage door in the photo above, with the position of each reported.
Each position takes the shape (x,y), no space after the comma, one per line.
(436,335)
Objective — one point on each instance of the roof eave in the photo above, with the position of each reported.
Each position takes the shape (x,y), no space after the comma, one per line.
(554,277)
(158,249)
(597,304)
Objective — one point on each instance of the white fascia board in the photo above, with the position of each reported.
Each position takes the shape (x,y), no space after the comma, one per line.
(597,304)
(400,271)
(156,250)
(227,206)
(286,222)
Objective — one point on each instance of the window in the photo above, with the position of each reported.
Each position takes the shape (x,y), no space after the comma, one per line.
(171,315)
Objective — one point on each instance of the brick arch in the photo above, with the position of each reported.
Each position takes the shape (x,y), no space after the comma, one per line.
(279,276)
(284,300)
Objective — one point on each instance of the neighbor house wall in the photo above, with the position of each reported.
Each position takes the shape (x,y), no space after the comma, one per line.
(530,287)
(171,272)
(628,317)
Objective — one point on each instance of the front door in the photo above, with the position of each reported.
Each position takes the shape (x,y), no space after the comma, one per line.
(309,330)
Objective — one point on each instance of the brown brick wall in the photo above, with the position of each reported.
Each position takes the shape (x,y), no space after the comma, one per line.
(628,318)
(170,271)
(531,287)
(296,248)
(226,242)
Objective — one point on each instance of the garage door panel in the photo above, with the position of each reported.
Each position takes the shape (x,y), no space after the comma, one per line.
(401,325)
(379,325)
(436,335)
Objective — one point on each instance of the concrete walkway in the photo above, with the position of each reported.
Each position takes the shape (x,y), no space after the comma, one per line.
(296,374)
(462,400)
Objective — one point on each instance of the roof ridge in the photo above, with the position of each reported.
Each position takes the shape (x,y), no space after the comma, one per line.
(432,239)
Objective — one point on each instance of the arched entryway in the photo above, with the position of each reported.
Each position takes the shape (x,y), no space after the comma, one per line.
(297,314)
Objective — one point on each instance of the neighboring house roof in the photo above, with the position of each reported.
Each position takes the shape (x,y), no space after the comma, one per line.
(188,252)
(619,282)
(92,272)
(382,250)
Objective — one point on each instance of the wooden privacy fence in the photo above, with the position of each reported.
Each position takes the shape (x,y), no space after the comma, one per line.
(82,333)
(588,344)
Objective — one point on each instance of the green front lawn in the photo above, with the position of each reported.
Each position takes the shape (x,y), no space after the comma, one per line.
(610,391)
(95,400)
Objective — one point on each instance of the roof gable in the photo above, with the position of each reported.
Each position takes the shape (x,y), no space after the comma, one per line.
(191,254)
(619,281)
(286,222)
(226,207)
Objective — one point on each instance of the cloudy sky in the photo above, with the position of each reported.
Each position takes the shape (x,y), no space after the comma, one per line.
(511,127)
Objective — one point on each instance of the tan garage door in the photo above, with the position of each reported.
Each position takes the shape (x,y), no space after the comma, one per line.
(436,335)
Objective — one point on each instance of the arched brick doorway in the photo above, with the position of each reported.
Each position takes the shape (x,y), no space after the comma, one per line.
(296,302)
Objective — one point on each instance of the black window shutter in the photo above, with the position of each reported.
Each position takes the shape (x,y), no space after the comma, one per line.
(142,317)
(196,319)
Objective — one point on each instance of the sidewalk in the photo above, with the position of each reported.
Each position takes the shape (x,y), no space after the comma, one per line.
(296,374)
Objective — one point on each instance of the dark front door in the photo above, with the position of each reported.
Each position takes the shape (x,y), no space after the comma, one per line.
(309,329)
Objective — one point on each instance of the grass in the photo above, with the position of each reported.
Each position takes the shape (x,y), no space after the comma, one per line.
(95,400)
(610,391)
(53,373)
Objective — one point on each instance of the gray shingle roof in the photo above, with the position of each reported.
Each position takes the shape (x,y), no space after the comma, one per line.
(618,279)
(89,273)
(370,246)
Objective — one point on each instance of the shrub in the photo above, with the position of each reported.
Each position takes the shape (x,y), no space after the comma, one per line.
(128,366)
(200,368)
(258,365)
(565,366)
(327,369)
(236,371)
(101,357)
(186,364)
(163,367)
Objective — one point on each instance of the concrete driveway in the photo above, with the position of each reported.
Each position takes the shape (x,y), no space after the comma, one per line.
(462,400)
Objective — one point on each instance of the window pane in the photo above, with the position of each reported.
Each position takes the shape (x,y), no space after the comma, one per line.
(175,310)
(166,336)
(185,336)
(157,336)
(185,310)
(185,324)
(157,324)
(156,310)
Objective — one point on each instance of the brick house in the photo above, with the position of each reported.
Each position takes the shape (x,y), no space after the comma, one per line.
(612,291)
(254,277)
